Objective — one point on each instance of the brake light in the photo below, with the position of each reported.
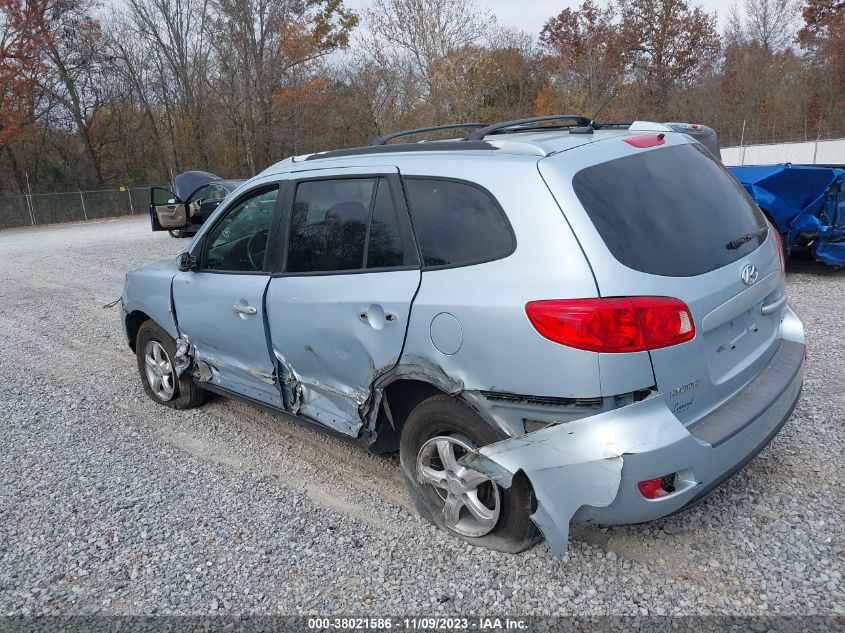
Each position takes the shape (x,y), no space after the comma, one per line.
(642,142)
(615,325)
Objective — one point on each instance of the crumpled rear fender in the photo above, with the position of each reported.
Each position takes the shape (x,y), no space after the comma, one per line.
(578,463)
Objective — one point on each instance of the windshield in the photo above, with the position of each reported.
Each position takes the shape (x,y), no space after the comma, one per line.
(671,211)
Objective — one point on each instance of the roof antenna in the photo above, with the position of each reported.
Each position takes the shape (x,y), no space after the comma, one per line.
(592,126)
(604,105)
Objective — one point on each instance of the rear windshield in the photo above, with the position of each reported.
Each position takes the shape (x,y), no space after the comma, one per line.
(671,211)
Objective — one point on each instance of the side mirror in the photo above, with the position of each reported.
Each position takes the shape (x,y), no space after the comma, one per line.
(187,262)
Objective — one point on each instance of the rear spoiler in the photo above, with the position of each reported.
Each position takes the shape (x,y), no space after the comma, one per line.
(701,133)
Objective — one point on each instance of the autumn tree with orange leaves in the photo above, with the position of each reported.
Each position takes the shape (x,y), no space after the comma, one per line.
(647,49)
(21,41)
(97,93)
(587,59)
(823,35)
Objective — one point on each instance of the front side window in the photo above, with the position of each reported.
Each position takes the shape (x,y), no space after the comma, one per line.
(163,196)
(238,242)
(343,224)
(457,223)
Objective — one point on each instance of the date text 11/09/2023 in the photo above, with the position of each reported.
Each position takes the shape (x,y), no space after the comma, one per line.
(418,624)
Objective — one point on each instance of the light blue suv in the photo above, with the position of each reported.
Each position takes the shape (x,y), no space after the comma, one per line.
(549,319)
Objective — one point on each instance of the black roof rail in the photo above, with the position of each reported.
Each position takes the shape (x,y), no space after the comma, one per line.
(500,128)
(439,146)
(383,140)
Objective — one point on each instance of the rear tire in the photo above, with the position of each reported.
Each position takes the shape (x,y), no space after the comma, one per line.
(155,351)
(502,522)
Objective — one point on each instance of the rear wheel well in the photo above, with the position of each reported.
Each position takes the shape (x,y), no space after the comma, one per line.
(134,320)
(401,397)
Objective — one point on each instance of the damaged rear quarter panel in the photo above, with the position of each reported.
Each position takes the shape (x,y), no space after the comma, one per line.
(578,463)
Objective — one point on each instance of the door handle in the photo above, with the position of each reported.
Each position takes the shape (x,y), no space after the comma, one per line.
(245,309)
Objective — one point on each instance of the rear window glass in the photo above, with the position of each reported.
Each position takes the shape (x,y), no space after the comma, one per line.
(457,223)
(670,211)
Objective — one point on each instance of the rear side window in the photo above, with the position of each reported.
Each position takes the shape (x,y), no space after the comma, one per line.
(670,211)
(384,244)
(344,224)
(457,223)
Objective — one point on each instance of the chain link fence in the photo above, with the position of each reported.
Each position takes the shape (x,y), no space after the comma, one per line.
(72,206)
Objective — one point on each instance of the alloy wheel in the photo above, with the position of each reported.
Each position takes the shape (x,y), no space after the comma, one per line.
(471,501)
(159,369)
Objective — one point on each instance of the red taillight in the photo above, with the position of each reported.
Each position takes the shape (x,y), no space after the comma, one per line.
(665,321)
(626,324)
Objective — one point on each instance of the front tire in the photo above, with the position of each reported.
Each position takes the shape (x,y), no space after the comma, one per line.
(459,500)
(155,351)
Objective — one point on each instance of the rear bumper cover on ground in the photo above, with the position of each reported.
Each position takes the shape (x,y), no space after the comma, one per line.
(588,470)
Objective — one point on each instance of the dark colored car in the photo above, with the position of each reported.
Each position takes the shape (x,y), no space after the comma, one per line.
(195,197)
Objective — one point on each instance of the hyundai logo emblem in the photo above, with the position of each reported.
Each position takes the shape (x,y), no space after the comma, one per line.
(749,274)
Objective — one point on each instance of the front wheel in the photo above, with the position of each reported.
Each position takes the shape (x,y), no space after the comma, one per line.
(155,351)
(457,499)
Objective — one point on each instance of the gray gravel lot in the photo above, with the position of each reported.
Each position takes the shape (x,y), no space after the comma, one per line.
(112,504)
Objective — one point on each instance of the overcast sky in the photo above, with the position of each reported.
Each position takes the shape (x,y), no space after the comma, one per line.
(529,15)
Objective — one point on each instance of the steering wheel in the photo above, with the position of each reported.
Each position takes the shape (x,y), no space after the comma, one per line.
(255,248)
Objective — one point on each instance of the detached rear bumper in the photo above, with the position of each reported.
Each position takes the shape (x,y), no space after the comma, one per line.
(588,470)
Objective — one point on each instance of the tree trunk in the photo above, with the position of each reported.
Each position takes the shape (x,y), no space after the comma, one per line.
(75,108)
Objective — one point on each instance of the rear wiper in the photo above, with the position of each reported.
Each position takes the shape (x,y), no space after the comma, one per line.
(736,243)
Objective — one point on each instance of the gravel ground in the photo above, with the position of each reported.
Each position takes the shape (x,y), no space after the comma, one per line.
(112,504)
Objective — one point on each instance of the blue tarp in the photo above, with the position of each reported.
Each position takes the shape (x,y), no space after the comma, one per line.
(805,202)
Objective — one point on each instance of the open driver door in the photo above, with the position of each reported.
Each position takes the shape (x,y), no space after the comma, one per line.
(167,211)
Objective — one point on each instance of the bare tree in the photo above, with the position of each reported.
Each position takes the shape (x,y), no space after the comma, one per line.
(176,32)
(419,34)
(72,38)
(264,46)
(773,24)
(129,60)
